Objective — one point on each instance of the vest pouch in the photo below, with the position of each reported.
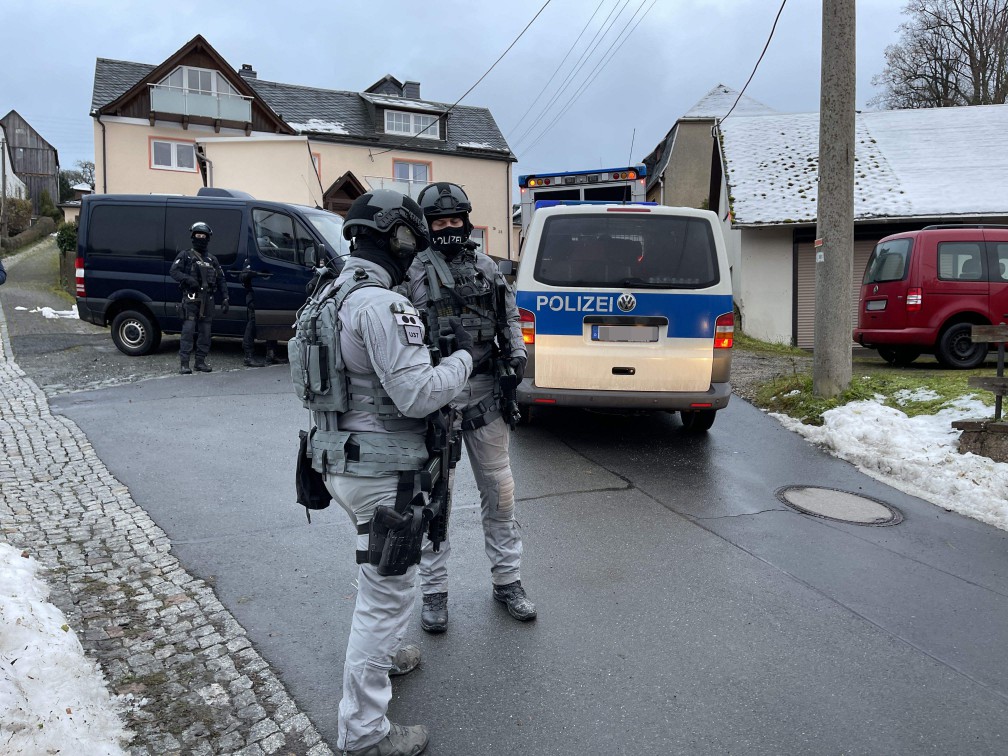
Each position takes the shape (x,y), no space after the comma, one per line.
(318,369)
(296,361)
(379,453)
(328,451)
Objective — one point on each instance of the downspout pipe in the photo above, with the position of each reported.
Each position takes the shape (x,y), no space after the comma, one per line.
(201,154)
(104,156)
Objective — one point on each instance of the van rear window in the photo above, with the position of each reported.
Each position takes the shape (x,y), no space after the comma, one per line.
(646,250)
(888,261)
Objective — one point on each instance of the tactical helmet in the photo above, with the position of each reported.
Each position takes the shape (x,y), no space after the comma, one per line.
(200,228)
(446,200)
(382,210)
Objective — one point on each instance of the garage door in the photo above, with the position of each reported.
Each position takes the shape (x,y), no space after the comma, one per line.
(805,305)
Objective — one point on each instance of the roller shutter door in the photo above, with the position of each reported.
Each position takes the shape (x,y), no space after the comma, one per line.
(805,285)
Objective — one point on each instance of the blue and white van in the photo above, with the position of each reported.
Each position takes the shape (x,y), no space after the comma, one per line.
(626,306)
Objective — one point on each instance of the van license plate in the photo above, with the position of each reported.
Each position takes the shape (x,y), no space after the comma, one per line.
(872,305)
(633,333)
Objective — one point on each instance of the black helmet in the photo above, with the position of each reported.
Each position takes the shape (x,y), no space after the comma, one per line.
(381,211)
(200,228)
(445,200)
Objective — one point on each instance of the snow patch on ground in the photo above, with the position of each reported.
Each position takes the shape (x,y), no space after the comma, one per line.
(51,314)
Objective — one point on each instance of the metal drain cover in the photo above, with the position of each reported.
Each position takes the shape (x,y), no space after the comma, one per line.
(833,504)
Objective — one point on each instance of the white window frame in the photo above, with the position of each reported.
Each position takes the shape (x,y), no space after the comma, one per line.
(175,144)
(219,86)
(417,122)
(412,171)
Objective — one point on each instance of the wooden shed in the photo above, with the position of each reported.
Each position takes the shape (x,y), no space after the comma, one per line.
(34,160)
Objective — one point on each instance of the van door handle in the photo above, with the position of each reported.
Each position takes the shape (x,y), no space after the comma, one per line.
(624,371)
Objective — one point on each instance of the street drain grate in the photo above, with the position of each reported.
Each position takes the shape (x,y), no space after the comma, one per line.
(842,506)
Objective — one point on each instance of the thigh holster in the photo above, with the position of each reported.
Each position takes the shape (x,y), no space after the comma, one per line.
(395,534)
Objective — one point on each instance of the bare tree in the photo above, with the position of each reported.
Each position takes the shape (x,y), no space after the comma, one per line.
(951,52)
(86,169)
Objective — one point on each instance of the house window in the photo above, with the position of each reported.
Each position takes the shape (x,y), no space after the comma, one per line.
(168,155)
(478,235)
(198,81)
(418,173)
(411,124)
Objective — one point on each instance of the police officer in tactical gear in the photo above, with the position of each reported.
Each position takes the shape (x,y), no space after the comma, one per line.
(246,278)
(453,279)
(200,276)
(373,453)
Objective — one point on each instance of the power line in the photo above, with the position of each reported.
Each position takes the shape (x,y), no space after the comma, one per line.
(580,64)
(590,79)
(556,70)
(450,109)
(783,3)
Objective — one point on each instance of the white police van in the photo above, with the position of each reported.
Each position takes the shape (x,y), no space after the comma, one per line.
(626,306)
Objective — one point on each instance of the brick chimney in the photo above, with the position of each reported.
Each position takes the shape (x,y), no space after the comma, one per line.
(411,90)
(247,72)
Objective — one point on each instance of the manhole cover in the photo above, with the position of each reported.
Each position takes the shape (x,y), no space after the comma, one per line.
(833,504)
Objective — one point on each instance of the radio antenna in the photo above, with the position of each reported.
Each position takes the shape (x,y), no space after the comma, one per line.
(630,162)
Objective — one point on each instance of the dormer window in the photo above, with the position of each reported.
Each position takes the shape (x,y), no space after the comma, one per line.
(204,81)
(412,124)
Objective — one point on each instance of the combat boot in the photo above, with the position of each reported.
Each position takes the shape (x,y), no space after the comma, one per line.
(203,367)
(518,604)
(251,361)
(185,369)
(401,741)
(434,616)
(405,661)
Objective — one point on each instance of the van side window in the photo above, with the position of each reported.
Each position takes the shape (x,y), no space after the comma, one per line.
(274,234)
(960,261)
(126,230)
(225,224)
(1000,271)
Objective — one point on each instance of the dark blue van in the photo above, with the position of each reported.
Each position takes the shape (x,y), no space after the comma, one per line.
(127,243)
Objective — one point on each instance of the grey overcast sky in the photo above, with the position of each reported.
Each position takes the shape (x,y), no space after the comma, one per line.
(678,52)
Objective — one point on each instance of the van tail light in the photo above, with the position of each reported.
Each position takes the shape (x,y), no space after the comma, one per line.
(527,320)
(724,331)
(79,277)
(914,300)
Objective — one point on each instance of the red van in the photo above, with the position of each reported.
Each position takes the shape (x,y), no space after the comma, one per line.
(922,290)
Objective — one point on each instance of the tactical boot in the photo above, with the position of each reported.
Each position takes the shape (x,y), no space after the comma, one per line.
(203,367)
(405,661)
(434,617)
(518,604)
(251,361)
(401,741)
(185,369)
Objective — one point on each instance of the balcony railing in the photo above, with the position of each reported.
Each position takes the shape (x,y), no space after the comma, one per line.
(403,186)
(182,101)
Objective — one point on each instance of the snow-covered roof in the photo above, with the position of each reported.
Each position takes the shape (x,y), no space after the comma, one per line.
(388,101)
(82,187)
(717,102)
(927,163)
(318,126)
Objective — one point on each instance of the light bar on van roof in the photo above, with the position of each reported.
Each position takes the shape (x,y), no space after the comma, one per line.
(628,209)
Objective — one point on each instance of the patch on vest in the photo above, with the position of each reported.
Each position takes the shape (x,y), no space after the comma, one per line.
(412,327)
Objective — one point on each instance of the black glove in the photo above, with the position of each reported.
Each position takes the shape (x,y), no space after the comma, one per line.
(518,363)
(462,338)
(225,307)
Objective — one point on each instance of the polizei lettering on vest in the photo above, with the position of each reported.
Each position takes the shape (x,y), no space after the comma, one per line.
(575,302)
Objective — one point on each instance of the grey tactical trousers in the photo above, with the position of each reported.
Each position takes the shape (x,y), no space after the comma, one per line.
(487,448)
(380,618)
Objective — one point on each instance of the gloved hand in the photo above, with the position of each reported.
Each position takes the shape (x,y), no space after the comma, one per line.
(225,306)
(518,363)
(462,338)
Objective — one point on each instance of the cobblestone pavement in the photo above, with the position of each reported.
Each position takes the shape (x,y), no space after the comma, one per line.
(194,683)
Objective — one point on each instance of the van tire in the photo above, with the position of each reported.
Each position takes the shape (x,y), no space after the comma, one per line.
(134,333)
(697,421)
(956,350)
(898,356)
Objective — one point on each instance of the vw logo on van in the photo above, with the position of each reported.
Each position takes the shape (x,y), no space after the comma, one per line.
(626,302)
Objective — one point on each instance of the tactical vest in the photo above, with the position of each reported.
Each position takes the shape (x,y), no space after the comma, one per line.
(460,289)
(326,388)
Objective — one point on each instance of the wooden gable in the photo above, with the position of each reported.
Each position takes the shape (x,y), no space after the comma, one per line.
(198,53)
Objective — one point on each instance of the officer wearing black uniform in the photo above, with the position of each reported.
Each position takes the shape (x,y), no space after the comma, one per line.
(200,276)
(248,339)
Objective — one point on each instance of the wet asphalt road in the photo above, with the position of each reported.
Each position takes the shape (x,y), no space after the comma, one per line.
(683,608)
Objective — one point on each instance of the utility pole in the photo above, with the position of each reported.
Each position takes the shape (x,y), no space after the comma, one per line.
(834,246)
(3,188)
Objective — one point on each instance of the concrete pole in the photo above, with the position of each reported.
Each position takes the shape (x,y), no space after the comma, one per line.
(834,250)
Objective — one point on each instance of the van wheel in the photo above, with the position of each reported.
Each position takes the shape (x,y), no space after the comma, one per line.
(898,356)
(697,421)
(955,350)
(134,333)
